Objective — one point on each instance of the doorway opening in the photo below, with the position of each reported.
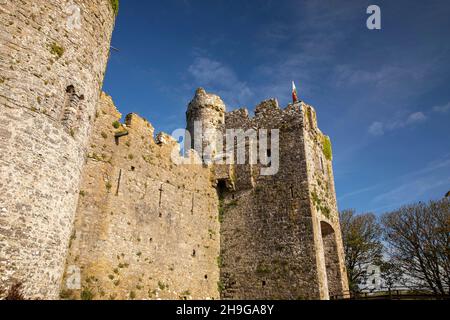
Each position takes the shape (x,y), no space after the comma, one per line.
(332,265)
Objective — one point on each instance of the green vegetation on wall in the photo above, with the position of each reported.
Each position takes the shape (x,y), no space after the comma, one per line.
(57,50)
(320,205)
(327,148)
(116,124)
(115,6)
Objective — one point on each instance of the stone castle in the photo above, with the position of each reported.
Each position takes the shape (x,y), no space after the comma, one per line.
(92,208)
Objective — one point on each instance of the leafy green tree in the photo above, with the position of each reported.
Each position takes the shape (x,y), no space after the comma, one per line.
(361,235)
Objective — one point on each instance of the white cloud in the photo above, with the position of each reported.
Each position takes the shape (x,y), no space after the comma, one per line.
(417,117)
(379,128)
(442,109)
(221,79)
(376,129)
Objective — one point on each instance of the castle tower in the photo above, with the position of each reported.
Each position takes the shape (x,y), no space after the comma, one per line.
(280,234)
(330,257)
(53,57)
(205,122)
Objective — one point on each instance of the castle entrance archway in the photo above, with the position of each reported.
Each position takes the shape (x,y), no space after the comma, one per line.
(332,265)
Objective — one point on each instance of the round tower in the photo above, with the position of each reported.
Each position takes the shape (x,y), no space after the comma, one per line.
(53,55)
(205,123)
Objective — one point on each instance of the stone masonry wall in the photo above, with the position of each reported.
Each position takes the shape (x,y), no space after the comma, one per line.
(268,249)
(145,227)
(271,240)
(208,112)
(328,238)
(50,80)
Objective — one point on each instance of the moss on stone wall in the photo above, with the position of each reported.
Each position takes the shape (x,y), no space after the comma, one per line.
(115,6)
(57,50)
(327,148)
(320,205)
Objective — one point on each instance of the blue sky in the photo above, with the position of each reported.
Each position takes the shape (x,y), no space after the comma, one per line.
(383,96)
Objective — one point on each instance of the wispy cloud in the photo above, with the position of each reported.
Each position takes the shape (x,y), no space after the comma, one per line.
(359,191)
(408,187)
(379,128)
(411,190)
(389,78)
(350,75)
(376,128)
(438,164)
(301,48)
(414,118)
(220,78)
(442,109)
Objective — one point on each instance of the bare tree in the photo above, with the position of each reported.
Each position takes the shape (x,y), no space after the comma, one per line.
(362,245)
(418,236)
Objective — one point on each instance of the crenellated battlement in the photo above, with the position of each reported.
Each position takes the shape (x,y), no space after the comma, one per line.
(268,113)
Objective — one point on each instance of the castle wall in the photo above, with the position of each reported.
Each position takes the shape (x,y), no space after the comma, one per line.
(267,231)
(145,228)
(271,241)
(50,79)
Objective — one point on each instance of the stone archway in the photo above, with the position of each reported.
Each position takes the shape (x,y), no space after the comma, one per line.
(333,270)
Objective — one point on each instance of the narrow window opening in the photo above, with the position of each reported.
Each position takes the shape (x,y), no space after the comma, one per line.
(72,109)
(160,200)
(264,283)
(118,182)
(221,188)
(133,168)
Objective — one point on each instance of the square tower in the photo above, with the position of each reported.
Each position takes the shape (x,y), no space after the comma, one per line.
(280,234)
